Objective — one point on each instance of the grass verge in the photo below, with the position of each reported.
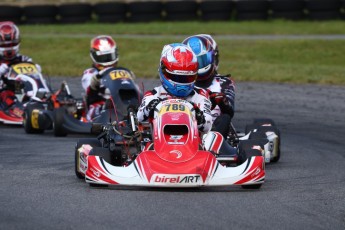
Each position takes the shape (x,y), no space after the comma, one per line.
(292,61)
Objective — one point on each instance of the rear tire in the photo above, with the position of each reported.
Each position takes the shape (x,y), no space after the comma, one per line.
(252,186)
(27,119)
(59,130)
(91,141)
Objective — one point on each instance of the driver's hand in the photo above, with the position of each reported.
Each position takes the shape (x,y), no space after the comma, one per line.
(95,82)
(150,108)
(217,98)
(199,115)
(3,69)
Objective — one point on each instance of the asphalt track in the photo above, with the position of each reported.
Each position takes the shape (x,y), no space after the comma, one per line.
(304,190)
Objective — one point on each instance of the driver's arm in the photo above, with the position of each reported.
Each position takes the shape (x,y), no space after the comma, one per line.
(150,98)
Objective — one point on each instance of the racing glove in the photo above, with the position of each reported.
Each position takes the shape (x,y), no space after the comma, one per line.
(223,103)
(199,115)
(3,69)
(96,79)
(95,82)
(150,108)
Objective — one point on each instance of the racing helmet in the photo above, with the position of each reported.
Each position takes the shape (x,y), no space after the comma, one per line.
(9,40)
(178,69)
(204,52)
(103,51)
(215,48)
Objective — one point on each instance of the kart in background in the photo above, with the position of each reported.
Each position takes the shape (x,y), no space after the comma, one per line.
(263,129)
(174,155)
(29,86)
(70,115)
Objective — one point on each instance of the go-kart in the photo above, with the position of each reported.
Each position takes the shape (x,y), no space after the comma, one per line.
(119,92)
(29,85)
(174,156)
(38,101)
(263,129)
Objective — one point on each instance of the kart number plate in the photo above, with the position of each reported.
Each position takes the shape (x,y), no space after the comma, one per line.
(25,68)
(118,74)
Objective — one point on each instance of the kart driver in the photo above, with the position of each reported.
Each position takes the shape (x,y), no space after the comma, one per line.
(220,88)
(104,54)
(9,55)
(178,71)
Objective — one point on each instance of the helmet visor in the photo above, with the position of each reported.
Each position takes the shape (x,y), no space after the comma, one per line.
(184,79)
(204,60)
(103,58)
(6,44)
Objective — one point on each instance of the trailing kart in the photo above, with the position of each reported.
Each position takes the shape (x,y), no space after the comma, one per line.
(262,130)
(35,98)
(119,92)
(39,115)
(29,85)
(176,156)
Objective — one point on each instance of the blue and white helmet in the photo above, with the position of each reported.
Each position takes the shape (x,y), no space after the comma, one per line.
(205,54)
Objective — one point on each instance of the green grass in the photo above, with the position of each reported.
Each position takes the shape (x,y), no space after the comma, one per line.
(63,50)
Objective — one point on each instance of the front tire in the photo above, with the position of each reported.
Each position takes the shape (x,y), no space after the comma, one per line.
(30,115)
(91,141)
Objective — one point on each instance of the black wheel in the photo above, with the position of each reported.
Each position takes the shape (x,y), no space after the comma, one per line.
(110,11)
(251,10)
(91,141)
(145,11)
(98,185)
(252,186)
(287,5)
(40,14)
(181,10)
(59,130)
(30,118)
(75,13)
(216,10)
(10,13)
(323,10)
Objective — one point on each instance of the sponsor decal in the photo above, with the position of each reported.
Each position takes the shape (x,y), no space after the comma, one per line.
(95,172)
(256,172)
(125,82)
(176,137)
(176,179)
(178,153)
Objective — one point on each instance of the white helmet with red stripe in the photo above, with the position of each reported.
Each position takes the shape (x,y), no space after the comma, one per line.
(9,40)
(103,51)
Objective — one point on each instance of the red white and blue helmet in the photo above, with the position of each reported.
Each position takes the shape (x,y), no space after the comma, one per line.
(178,69)
(9,40)
(103,51)
(204,52)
